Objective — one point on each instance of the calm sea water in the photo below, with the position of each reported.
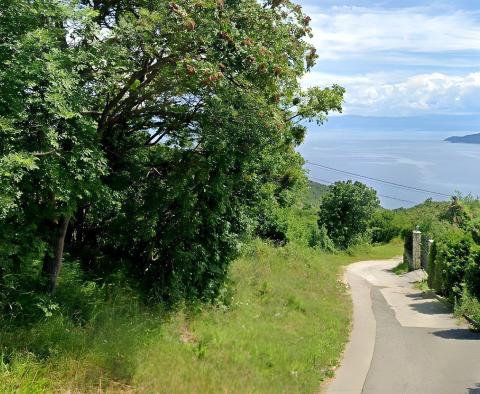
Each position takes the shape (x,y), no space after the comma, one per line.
(415,158)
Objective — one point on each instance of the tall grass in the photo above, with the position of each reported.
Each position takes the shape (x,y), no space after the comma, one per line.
(279,326)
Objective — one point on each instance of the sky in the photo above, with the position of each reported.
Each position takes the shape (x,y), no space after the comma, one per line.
(398,58)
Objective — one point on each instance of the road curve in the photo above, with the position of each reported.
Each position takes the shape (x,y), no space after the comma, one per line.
(402,342)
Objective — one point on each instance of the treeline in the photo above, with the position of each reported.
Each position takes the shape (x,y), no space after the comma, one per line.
(141,141)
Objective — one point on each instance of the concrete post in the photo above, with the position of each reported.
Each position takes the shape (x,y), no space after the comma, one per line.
(416,249)
(430,244)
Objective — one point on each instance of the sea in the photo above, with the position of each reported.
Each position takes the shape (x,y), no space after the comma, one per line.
(418,159)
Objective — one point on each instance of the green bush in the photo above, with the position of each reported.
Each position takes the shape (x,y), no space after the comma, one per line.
(451,259)
(472,274)
(383,226)
(345,212)
(474,228)
(434,280)
(469,305)
(319,239)
(271,227)
(455,213)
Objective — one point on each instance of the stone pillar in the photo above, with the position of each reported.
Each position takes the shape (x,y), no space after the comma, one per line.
(416,249)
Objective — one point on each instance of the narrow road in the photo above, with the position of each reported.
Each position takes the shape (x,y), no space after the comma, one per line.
(402,342)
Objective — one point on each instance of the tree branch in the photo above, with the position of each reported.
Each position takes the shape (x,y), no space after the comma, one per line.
(146,74)
(91,113)
(40,154)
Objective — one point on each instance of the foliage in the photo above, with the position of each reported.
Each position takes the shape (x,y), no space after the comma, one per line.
(472,273)
(451,260)
(271,227)
(146,139)
(470,306)
(383,226)
(433,278)
(455,213)
(345,212)
(319,239)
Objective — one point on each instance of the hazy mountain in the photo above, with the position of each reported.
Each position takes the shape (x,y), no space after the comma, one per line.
(412,123)
(466,139)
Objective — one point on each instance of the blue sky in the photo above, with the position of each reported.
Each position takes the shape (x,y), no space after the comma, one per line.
(398,58)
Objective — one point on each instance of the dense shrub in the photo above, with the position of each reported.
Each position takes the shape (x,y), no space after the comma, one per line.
(383,226)
(319,239)
(345,212)
(271,227)
(434,280)
(472,274)
(469,305)
(455,213)
(451,260)
(474,228)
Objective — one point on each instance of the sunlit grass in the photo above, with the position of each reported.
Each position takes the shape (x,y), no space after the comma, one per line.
(281,327)
(285,331)
(401,268)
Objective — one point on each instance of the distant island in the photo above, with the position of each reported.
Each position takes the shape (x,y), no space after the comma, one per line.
(466,139)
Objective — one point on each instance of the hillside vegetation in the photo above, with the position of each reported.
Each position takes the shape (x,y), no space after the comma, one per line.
(279,326)
(314,193)
(453,264)
(145,146)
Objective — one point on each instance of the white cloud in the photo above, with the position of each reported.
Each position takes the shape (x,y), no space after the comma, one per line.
(410,46)
(348,31)
(386,94)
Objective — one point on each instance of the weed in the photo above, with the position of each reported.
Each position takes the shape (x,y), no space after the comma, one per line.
(401,268)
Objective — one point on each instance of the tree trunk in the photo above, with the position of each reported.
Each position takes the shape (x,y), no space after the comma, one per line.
(52,266)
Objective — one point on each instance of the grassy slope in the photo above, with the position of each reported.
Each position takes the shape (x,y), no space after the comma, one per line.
(283,332)
(314,192)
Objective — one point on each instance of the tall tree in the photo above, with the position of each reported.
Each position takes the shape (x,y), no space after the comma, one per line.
(146,135)
(346,211)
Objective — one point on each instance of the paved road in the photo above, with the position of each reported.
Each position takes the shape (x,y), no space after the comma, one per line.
(402,342)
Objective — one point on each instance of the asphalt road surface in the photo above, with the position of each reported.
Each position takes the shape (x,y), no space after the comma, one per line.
(402,342)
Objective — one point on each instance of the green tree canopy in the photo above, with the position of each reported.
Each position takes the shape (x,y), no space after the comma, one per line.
(346,210)
(147,136)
